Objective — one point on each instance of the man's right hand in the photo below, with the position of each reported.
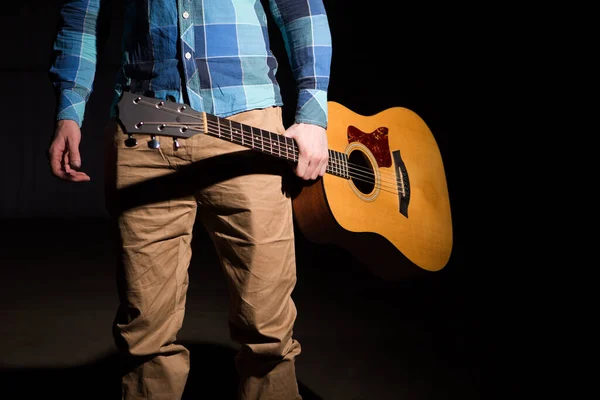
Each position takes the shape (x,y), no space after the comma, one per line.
(65,160)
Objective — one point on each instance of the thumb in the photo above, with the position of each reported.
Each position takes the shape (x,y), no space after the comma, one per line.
(74,156)
(290,131)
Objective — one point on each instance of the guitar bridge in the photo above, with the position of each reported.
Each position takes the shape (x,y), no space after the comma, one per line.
(402,183)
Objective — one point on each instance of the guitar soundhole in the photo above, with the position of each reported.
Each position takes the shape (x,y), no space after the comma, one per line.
(363,176)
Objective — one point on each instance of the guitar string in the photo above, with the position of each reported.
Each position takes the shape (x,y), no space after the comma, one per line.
(368,178)
(359,173)
(235,135)
(278,148)
(366,174)
(363,175)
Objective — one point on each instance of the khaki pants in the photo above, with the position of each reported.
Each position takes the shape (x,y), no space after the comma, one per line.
(239,195)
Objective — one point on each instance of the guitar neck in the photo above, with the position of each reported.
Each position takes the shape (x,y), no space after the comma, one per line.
(141,114)
(268,142)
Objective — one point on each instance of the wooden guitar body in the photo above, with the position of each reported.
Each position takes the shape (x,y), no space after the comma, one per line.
(394,240)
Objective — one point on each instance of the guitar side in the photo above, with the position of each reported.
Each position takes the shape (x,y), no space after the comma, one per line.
(369,223)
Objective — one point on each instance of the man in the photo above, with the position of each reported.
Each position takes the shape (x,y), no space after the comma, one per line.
(214,56)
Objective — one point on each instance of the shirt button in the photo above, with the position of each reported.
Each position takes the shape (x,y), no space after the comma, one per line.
(188,55)
(186,14)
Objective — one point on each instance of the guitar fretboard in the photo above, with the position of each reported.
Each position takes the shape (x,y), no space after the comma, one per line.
(270,143)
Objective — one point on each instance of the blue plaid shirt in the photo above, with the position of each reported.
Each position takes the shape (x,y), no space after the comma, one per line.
(212,54)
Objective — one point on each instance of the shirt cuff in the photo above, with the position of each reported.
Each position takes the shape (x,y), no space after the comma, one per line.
(312,107)
(71,106)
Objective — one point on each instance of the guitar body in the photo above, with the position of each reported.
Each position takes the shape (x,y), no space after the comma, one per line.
(394,234)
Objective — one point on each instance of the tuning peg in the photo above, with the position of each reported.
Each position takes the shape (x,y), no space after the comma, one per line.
(130,141)
(154,143)
(176,144)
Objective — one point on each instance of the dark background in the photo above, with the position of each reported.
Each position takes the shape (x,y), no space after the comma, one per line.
(444,338)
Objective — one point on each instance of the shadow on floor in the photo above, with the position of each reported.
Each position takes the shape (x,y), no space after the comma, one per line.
(213,376)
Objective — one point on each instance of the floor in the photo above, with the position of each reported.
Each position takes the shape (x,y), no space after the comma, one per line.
(362,338)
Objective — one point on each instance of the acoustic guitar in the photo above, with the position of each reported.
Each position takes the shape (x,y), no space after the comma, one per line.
(384,197)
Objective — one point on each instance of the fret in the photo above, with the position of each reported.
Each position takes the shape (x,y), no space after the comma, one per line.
(262,141)
(230,130)
(291,148)
(274,143)
(332,161)
(212,123)
(251,131)
(236,131)
(269,141)
(261,136)
(278,145)
(241,127)
(279,139)
(247,132)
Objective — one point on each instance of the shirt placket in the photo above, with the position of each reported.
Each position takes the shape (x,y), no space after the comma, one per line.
(186,18)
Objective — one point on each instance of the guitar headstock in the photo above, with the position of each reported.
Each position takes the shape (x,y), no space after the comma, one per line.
(141,114)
